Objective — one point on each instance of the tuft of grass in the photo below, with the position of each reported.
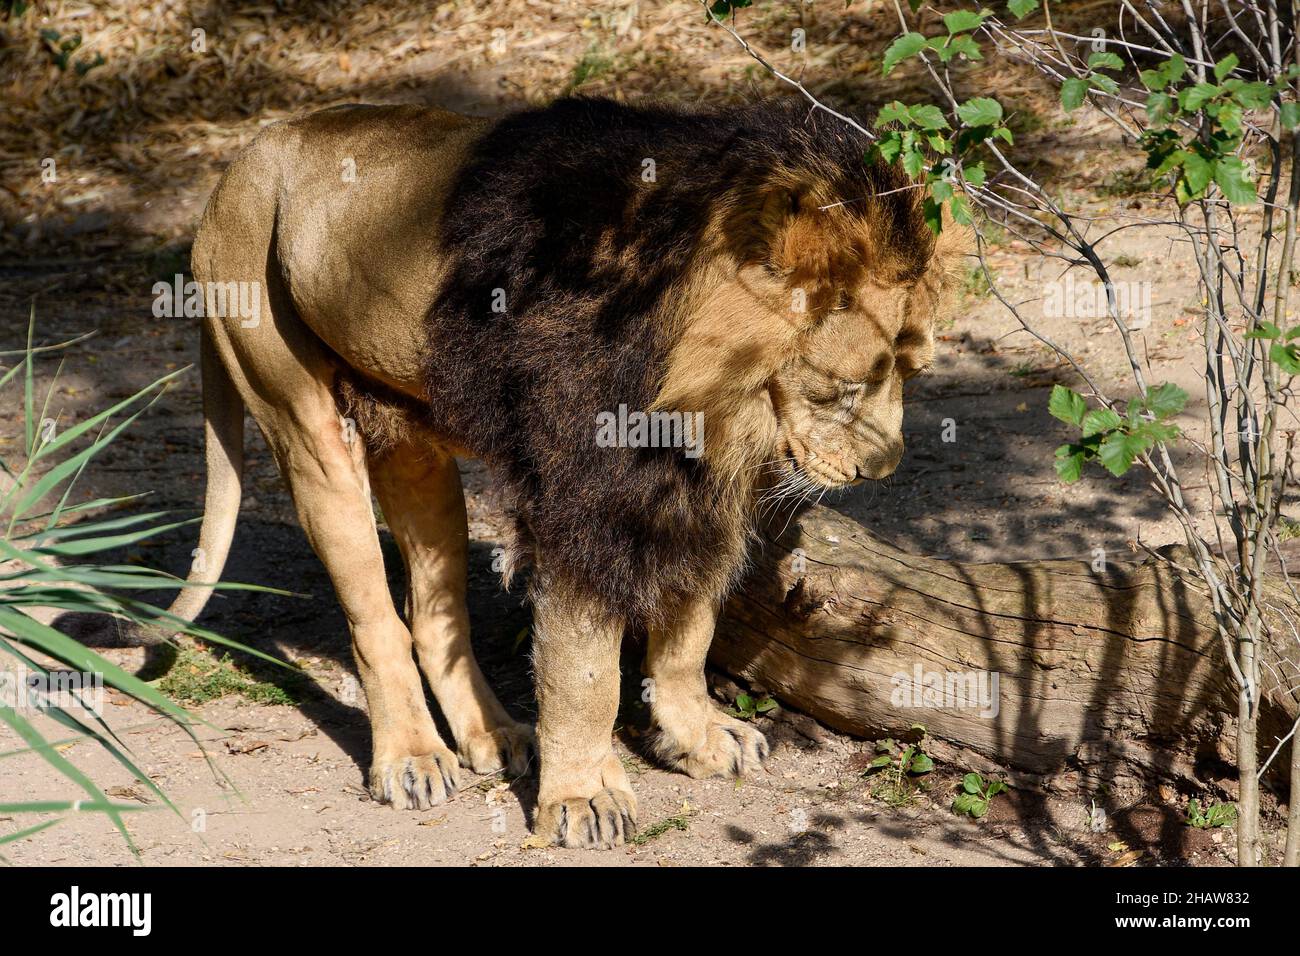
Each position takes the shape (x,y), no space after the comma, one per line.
(679,821)
(199,676)
(592,65)
(899,769)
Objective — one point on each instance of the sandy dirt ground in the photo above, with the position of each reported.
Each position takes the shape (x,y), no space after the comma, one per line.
(285,782)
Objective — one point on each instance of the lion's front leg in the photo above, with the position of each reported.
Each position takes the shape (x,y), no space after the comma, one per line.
(584,799)
(692,733)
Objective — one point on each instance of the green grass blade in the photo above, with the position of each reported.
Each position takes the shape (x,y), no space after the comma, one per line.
(56,475)
(103,805)
(32,737)
(79,429)
(77,547)
(80,529)
(22,834)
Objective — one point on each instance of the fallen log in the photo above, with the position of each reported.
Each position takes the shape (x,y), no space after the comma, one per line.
(1072,676)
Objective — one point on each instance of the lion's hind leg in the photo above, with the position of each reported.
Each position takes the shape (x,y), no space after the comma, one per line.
(285,379)
(419,490)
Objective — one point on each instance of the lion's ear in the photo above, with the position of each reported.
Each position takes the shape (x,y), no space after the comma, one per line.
(805,248)
(780,203)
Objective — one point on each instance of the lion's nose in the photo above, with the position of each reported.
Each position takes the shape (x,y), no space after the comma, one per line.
(881,467)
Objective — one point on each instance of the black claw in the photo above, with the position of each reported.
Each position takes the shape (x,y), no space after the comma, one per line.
(408,784)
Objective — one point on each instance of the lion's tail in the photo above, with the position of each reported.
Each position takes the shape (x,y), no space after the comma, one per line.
(223,427)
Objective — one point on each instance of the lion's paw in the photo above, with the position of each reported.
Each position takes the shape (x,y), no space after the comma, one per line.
(601,822)
(415,782)
(726,747)
(509,747)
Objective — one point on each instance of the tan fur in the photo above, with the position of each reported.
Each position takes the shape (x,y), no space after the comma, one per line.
(343,338)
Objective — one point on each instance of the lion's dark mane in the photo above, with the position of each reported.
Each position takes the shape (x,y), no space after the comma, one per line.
(553,209)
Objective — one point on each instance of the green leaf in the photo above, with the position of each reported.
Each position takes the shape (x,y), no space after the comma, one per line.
(1165,400)
(1254,96)
(1193,98)
(1198,171)
(913,162)
(933,213)
(1171,159)
(1290,115)
(961,20)
(963,45)
(1175,68)
(1101,81)
(974,174)
(981,111)
(972,783)
(1153,79)
(889,147)
(882,761)
(959,208)
(1099,421)
(1286,357)
(1231,175)
(1118,450)
(909,44)
(1159,106)
(1265,330)
(1073,91)
(965,804)
(941,190)
(995,787)
(1225,66)
(1069,463)
(921,763)
(1229,116)
(1103,60)
(894,112)
(1019,8)
(928,116)
(980,808)
(1066,405)
(1153,432)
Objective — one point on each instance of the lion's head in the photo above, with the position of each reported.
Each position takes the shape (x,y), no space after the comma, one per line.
(820,305)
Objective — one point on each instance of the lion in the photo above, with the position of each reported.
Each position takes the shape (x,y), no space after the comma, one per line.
(434,286)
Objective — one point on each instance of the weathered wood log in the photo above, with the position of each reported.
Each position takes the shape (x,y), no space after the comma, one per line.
(1069,675)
